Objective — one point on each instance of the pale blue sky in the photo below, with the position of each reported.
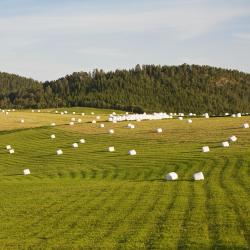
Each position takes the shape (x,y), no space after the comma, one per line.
(49,39)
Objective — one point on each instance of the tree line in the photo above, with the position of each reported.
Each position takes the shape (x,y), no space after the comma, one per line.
(184,88)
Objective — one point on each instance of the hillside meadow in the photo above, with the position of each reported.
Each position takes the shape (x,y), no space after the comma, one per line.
(89,198)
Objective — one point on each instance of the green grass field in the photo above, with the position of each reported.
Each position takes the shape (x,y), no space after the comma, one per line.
(89,198)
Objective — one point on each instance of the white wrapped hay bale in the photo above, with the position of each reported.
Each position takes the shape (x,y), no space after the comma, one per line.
(79,120)
(159,130)
(98,117)
(62,113)
(198,176)
(189,121)
(111,131)
(26,171)
(225,144)
(233,138)
(102,125)
(73,119)
(132,152)
(53,136)
(205,149)
(22,120)
(92,113)
(238,114)
(94,121)
(8,147)
(73,113)
(83,114)
(59,152)
(38,110)
(71,123)
(180,118)
(131,126)
(82,141)
(65,112)
(32,110)
(53,124)
(206,115)
(12,151)
(171,176)
(111,149)
(75,145)
(56,112)
(233,115)
(245,125)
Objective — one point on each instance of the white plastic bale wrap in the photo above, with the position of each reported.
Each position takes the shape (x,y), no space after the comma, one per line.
(198,176)
(26,171)
(233,138)
(111,149)
(132,152)
(59,152)
(225,144)
(205,149)
(171,176)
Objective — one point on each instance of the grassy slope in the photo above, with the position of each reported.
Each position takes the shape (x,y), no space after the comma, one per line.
(94,199)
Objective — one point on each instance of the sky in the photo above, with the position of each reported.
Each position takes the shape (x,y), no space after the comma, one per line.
(48,39)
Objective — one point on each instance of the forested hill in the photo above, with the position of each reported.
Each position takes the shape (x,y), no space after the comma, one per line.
(185,88)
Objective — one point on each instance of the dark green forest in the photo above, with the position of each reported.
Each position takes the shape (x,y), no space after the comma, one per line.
(184,88)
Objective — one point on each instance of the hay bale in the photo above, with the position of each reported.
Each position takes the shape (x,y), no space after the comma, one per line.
(225,144)
(206,115)
(26,171)
(83,114)
(73,113)
(111,149)
(238,114)
(73,119)
(111,131)
(8,147)
(62,113)
(92,113)
(94,121)
(171,176)
(205,149)
(82,141)
(198,176)
(98,117)
(53,124)
(180,118)
(71,123)
(102,125)
(159,130)
(75,145)
(38,110)
(22,120)
(233,138)
(132,152)
(189,121)
(79,120)
(12,151)
(131,126)
(233,115)
(59,152)
(245,125)
(53,136)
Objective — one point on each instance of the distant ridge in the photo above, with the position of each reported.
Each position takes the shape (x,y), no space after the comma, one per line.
(184,88)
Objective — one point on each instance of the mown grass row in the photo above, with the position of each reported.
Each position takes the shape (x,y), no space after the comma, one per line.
(90,198)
